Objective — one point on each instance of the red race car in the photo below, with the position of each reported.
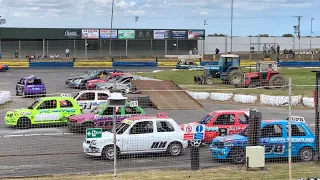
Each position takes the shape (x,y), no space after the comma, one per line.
(90,84)
(221,123)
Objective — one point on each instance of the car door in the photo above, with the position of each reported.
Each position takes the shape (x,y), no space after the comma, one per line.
(20,85)
(101,98)
(225,124)
(47,112)
(105,119)
(273,141)
(85,101)
(165,133)
(66,109)
(299,137)
(140,137)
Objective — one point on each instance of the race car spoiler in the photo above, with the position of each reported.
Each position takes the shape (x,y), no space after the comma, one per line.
(297,119)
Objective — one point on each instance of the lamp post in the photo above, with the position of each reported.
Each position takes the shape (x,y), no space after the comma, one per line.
(111,23)
(231,24)
(311,35)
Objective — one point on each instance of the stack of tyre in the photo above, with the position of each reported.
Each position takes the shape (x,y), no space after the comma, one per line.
(5,96)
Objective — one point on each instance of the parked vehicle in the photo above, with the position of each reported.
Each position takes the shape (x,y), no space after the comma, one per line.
(90,84)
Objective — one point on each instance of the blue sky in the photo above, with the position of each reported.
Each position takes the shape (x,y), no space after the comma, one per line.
(251,17)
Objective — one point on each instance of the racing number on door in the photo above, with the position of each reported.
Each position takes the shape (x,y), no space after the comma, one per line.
(86,105)
(160,144)
(275,149)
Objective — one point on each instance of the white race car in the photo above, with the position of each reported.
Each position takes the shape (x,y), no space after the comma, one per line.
(139,135)
(89,99)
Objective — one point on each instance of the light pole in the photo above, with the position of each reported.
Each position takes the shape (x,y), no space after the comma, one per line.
(111,23)
(311,35)
(231,24)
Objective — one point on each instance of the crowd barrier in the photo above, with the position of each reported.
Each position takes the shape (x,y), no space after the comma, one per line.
(5,96)
(101,64)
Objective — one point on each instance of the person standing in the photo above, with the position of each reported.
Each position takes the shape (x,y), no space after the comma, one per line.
(67,52)
(16,54)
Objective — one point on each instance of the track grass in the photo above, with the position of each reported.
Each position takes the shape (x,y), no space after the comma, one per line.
(273,171)
(303,81)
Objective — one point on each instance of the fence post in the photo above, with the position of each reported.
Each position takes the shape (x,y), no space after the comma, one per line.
(74,48)
(0,46)
(43,47)
(86,48)
(127,47)
(19,50)
(47,47)
(289,129)
(165,47)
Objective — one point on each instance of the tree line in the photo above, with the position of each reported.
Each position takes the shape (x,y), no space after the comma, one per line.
(261,35)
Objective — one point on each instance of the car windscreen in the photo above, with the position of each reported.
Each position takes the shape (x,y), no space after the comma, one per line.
(121,128)
(34,104)
(34,82)
(244,132)
(99,108)
(206,119)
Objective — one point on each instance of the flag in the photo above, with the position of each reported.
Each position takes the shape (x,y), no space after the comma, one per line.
(136,18)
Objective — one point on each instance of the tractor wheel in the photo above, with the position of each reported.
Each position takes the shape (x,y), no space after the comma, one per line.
(277,81)
(209,81)
(235,78)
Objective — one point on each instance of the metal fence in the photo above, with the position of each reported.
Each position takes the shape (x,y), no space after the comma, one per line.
(29,149)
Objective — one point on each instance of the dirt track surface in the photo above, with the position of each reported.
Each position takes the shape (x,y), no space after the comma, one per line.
(166,95)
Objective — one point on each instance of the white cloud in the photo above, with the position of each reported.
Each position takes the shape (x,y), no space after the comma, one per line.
(124,5)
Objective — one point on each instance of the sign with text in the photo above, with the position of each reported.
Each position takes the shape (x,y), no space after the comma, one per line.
(72,33)
(94,133)
(179,34)
(143,34)
(194,131)
(196,34)
(126,34)
(161,34)
(90,34)
(105,34)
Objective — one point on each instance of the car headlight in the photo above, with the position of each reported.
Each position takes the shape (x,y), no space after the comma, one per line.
(94,142)
(228,143)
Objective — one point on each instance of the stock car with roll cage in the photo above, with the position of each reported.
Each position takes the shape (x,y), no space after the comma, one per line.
(139,135)
(80,82)
(4,67)
(30,86)
(102,116)
(91,84)
(227,122)
(274,137)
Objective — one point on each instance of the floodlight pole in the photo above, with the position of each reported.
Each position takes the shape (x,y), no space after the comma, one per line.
(111,23)
(311,35)
(231,25)
(317,117)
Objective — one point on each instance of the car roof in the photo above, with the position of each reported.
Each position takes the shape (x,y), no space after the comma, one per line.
(56,97)
(145,118)
(230,111)
(31,77)
(280,121)
(103,91)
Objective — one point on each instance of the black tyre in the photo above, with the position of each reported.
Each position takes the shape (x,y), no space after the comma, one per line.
(306,154)
(238,155)
(277,81)
(108,152)
(209,80)
(24,123)
(235,78)
(174,149)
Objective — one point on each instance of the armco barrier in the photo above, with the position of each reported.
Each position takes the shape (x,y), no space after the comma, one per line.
(89,64)
(135,64)
(167,64)
(244,99)
(199,95)
(308,102)
(16,64)
(51,65)
(300,64)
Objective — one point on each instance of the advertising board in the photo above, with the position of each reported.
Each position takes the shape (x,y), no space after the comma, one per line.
(179,34)
(143,34)
(161,34)
(90,34)
(126,34)
(196,34)
(105,34)
(72,33)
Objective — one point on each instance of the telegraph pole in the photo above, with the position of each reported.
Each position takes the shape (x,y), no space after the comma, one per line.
(297,29)
(203,44)
(231,24)
(311,35)
(111,23)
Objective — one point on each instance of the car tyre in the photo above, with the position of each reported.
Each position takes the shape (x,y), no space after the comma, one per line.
(306,154)
(238,155)
(24,123)
(108,152)
(175,149)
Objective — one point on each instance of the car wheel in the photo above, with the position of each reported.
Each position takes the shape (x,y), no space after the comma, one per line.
(238,155)
(175,149)
(108,152)
(24,123)
(306,154)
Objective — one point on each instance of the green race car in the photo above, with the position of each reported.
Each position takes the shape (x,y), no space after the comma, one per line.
(48,110)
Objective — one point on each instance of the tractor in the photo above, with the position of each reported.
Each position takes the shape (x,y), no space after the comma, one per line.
(227,71)
(266,75)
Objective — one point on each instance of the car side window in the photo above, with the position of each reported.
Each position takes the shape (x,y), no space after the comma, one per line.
(108,111)
(88,96)
(131,110)
(271,130)
(48,104)
(144,127)
(225,119)
(243,119)
(296,130)
(164,126)
(65,104)
(102,96)
(21,81)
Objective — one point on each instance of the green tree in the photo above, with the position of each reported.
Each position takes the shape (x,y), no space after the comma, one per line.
(287,35)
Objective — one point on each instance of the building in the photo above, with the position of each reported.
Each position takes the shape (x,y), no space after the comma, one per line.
(96,42)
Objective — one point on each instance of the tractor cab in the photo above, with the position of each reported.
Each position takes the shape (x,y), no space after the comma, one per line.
(228,61)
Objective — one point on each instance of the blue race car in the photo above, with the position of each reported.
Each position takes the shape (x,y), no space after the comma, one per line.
(6,67)
(274,137)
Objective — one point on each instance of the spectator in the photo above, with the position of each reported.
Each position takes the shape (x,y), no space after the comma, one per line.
(278,49)
(217,51)
(264,49)
(51,56)
(16,54)
(67,52)
(56,56)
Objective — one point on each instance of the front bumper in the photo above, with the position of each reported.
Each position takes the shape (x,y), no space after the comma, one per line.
(219,153)
(10,119)
(91,150)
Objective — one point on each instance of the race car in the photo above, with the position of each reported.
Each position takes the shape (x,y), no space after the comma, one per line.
(30,86)
(224,122)
(48,110)
(90,84)
(274,137)
(182,64)
(139,135)
(90,99)
(4,67)
(80,82)
(102,116)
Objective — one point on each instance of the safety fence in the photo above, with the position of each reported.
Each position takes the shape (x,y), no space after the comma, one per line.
(108,64)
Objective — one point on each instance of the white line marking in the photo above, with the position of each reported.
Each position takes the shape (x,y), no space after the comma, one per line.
(26,135)
(33,135)
(53,134)
(14,135)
